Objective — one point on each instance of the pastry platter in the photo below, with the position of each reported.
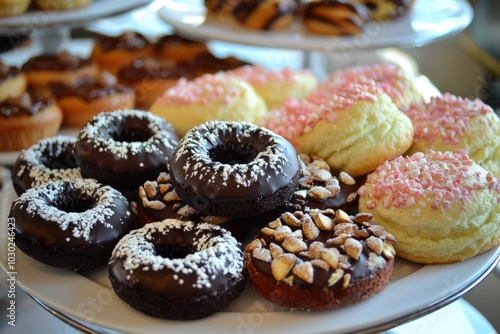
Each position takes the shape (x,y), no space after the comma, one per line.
(33,20)
(427,21)
(88,301)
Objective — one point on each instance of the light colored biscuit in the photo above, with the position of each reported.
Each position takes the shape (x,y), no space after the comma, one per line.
(209,97)
(451,123)
(394,81)
(356,130)
(275,86)
(442,207)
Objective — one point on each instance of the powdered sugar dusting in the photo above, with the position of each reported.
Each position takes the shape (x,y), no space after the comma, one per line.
(447,117)
(122,149)
(440,177)
(31,161)
(43,200)
(199,165)
(215,255)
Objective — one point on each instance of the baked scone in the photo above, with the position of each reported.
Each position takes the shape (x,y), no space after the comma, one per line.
(398,84)
(355,130)
(334,17)
(13,82)
(275,86)
(452,123)
(209,97)
(442,207)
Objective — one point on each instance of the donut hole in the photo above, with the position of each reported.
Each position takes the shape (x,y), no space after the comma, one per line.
(233,153)
(73,204)
(59,159)
(174,251)
(132,132)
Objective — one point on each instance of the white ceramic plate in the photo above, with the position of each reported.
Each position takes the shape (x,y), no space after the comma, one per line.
(415,291)
(39,19)
(427,21)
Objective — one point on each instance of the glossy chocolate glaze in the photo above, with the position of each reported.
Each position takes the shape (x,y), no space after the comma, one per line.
(176,243)
(226,161)
(87,89)
(49,159)
(7,72)
(360,13)
(30,103)
(61,62)
(244,9)
(127,41)
(41,214)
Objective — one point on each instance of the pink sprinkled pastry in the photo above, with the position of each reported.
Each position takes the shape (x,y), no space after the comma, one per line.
(441,206)
(275,86)
(355,129)
(399,85)
(451,123)
(208,98)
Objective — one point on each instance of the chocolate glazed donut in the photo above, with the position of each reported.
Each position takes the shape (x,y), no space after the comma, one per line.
(178,270)
(124,148)
(71,224)
(234,169)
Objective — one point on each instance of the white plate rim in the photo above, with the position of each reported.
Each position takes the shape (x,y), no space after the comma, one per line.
(401,301)
(402,32)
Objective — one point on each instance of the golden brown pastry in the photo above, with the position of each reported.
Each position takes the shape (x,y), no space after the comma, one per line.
(265,14)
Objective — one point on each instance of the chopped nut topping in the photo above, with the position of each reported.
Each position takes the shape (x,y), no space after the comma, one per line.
(388,251)
(320,193)
(375,244)
(274,224)
(304,271)
(291,220)
(346,280)
(268,231)
(353,248)
(331,256)
(323,222)
(294,245)
(171,196)
(335,277)
(342,217)
(275,250)
(282,232)
(346,178)
(282,265)
(256,243)
(320,264)
(262,254)
(310,229)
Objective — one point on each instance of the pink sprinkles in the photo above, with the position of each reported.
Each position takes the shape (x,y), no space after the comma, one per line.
(259,76)
(200,91)
(441,177)
(389,77)
(447,117)
(296,117)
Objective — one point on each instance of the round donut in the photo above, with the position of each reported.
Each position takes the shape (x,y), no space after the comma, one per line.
(124,148)
(451,123)
(234,169)
(441,206)
(392,79)
(71,224)
(49,159)
(177,270)
(323,259)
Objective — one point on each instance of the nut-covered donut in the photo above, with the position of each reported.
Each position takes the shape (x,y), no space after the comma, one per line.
(320,260)
(178,270)
(234,169)
(71,224)
(47,160)
(124,148)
